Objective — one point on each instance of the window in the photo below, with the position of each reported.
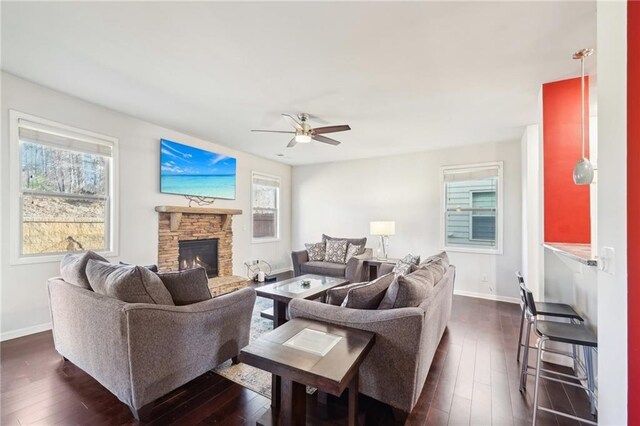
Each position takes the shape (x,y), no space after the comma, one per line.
(63,190)
(265,204)
(472,219)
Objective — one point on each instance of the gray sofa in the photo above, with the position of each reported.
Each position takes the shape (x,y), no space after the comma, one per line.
(141,351)
(395,370)
(352,271)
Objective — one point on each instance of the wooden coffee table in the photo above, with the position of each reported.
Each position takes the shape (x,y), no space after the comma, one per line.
(283,291)
(297,365)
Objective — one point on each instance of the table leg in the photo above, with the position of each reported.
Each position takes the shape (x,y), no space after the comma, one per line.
(294,401)
(279,313)
(373,272)
(276,393)
(353,401)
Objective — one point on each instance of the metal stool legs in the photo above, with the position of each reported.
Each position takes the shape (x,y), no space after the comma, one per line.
(520,335)
(588,352)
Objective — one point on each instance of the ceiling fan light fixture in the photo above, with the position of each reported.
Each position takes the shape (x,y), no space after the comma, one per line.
(302,138)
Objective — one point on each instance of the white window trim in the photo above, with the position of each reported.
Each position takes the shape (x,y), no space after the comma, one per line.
(15,233)
(266,239)
(480,191)
(499,208)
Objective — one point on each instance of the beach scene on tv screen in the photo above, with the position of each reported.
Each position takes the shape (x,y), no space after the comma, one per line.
(186,170)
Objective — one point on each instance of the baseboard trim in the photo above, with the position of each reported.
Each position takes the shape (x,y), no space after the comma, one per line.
(493,297)
(14,334)
(281,270)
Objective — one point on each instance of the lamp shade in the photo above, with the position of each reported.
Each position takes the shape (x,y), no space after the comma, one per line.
(382,228)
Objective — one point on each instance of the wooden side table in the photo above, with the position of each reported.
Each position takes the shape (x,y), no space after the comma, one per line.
(372,266)
(332,372)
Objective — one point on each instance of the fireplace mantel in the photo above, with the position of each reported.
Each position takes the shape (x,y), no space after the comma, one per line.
(177,211)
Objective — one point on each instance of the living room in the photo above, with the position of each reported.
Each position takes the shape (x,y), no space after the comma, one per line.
(333,122)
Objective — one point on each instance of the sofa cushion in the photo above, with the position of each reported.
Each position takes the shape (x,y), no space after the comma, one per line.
(352,250)
(323,268)
(369,295)
(187,286)
(403,266)
(73,268)
(131,284)
(336,251)
(357,241)
(336,295)
(316,251)
(408,290)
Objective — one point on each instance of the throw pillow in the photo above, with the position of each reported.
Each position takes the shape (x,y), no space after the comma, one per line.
(436,267)
(357,241)
(152,268)
(187,286)
(73,268)
(131,284)
(408,291)
(369,295)
(352,250)
(336,251)
(315,251)
(336,295)
(440,256)
(403,266)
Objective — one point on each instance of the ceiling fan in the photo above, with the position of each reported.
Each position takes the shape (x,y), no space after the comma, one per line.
(304,133)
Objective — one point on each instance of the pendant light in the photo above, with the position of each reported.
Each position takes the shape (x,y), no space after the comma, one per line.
(583,171)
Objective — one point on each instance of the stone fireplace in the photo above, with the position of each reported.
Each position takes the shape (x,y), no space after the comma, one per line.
(198,236)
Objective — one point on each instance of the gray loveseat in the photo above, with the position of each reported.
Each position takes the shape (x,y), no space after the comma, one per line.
(352,271)
(395,370)
(142,351)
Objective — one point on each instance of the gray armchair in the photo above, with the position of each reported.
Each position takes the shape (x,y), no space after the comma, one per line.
(141,351)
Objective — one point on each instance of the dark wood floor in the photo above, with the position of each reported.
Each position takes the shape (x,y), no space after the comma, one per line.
(473,380)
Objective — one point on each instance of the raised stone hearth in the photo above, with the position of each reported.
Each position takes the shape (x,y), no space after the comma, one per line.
(177,224)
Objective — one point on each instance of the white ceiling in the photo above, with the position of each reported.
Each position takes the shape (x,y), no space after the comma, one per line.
(406,76)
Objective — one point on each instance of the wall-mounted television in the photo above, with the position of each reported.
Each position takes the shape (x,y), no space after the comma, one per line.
(186,170)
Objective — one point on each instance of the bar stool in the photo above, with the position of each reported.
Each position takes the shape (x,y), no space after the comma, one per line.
(557,310)
(573,334)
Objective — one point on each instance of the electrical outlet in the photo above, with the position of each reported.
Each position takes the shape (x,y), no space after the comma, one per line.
(607,260)
(484,278)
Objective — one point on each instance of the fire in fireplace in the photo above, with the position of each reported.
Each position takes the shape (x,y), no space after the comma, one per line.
(194,253)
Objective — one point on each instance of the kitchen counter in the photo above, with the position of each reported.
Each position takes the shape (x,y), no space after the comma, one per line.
(578,252)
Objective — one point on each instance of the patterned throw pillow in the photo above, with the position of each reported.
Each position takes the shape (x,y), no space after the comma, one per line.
(315,251)
(336,251)
(403,266)
(352,250)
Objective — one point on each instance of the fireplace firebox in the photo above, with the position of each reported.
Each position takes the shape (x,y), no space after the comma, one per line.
(194,253)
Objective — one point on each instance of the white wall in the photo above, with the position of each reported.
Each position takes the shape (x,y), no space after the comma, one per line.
(612,207)
(24,296)
(340,199)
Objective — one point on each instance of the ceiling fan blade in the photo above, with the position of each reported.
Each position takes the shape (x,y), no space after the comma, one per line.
(273,131)
(317,119)
(330,129)
(325,139)
(292,143)
(292,121)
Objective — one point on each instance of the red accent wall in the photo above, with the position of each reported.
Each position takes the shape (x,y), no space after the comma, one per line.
(633,209)
(567,216)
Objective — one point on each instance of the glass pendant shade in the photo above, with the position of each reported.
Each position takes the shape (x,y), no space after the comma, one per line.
(583,172)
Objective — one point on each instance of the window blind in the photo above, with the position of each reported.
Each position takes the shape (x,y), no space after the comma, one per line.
(56,138)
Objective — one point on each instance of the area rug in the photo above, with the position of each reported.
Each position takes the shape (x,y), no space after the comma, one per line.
(245,375)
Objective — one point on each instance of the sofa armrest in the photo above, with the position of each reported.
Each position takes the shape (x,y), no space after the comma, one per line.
(171,345)
(90,330)
(354,271)
(385,268)
(298,258)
